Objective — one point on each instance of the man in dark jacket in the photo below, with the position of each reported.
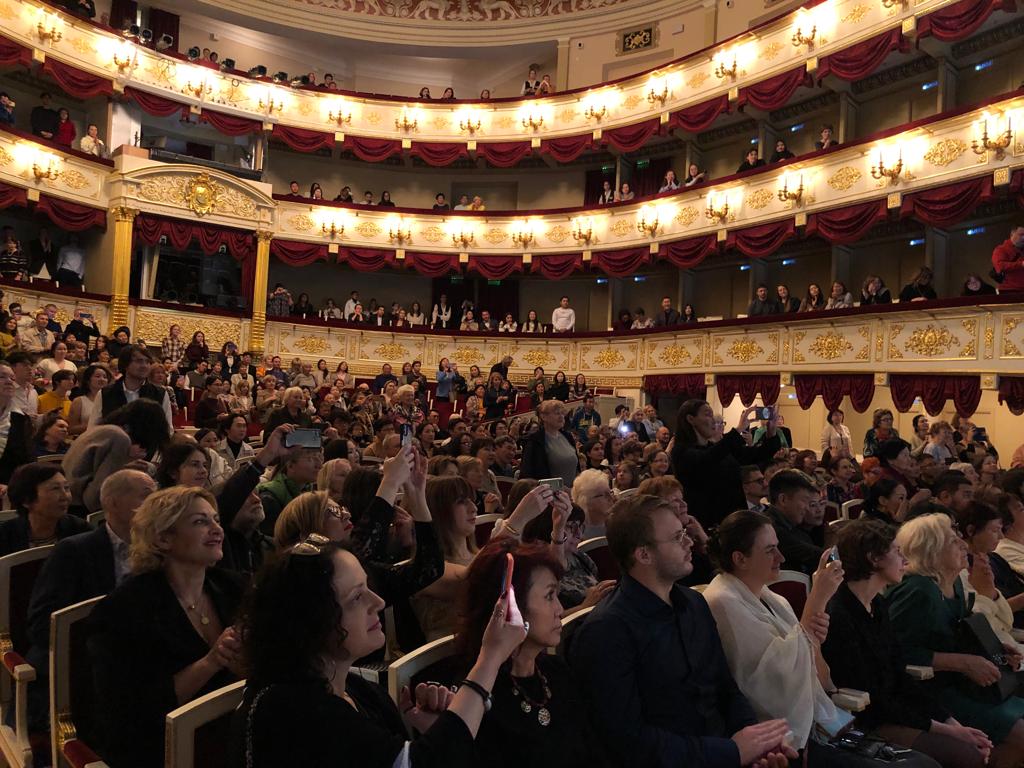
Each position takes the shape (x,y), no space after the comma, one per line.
(43,119)
(667,316)
(134,363)
(42,252)
(763,304)
(382,378)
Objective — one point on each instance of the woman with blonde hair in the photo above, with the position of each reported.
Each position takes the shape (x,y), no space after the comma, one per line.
(241,400)
(309,513)
(592,493)
(472,470)
(164,637)
(331,477)
(926,609)
(267,398)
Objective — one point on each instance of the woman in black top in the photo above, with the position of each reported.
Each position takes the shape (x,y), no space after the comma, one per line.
(303,306)
(385,200)
(559,389)
(309,618)
(579,386)
(874,291)
(538,717)
(750,161)
(920,287)
(975,286)
(710,472)
(165,636)
(41,495)
(689,314)
(781,152)
(861,651)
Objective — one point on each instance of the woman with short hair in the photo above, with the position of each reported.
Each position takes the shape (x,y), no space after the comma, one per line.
(183,462)
(41,496)
(881,430)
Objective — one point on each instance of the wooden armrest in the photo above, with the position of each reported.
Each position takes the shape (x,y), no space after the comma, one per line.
(851,700)
(79,755)
(918,672)
(17,667)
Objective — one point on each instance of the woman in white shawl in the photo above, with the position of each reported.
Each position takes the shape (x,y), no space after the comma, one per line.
(776,659)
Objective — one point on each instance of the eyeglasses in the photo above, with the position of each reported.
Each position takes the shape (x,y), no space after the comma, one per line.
(679,538)
(339,512)
(313,545)
(604,495)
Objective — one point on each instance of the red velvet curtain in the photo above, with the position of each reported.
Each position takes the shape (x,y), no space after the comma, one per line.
(297,254)
(432,264)
(682,385)
(12,196)
(699,116)
(495,267)
(230,125)
(762,240)
(934,391)
(77,82)
(1011,392)
(69,216)
(121,11)
(366,259)
(158,106)
(630,138)
(947,205)
(438,154)
(689,253)
(567,148)
(302,139)
(621,263)
(371,150)
(833,387)
(775,91)
(847,225)
(960,20)
(165,23)
(557,266)
(12,53)
(504,154)
(747,386)
(646,181)
(860,60)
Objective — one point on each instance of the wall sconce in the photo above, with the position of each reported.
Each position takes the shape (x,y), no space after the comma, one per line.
(998,144)
(654,94)
(892,173)
(334,229)
(340,117)
(799,38)
(722,72)
(50,171)
(583,229)
(596,114)
(399,232)
(48,30)
(470,122)
(199,90)
(522,234)
(793,195)
(463,237)
(647,220)
(719,212)
(126,57)
(532,121)
(405,124)
(270,105)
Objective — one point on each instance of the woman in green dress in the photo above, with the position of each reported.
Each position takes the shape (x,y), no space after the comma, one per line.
(925,609)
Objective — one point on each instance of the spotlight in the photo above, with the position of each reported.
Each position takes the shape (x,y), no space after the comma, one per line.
(297,82)
(280,77)
(165,42)
(146,35)
(227,64)
(258,71)
(194,53)
(133,30)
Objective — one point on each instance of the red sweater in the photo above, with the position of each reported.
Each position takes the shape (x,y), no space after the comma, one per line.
(65,133)
(1009,259)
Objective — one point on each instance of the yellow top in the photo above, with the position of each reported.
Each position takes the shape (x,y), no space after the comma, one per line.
(51,401)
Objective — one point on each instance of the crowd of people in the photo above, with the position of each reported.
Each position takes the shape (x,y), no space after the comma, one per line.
(42,258)
(54,125)
(273,562)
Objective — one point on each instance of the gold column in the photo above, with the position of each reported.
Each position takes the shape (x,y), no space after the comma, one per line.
(124,219)
(258,327)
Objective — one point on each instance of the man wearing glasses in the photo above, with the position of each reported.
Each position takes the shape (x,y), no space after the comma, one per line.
(755,488)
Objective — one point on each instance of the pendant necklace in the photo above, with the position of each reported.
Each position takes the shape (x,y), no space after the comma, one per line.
(203,618)
(527,704)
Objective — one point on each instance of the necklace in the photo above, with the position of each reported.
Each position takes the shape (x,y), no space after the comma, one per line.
(527,704)
(203,618)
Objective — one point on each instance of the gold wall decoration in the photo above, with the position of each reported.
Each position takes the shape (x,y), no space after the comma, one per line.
(674,355)
(505,122)
(634,40)
(466,356)
(609,358)
(771,51)
(6,12)
(567,115)
(970,349)
(844,178)
(163,189)
(830,346)
(368,229)
(373,118)
(633,101)
(432,234)
(687,216)
(894,331)
(153,325)
(945,152)
(745,350)
(73,179)
(855,15)
(390,352)
(557,234)
(312,345)
(6,158)
(441,123)
(1009,326)
(201,194)
(538,358)
(82,45)
(697,80)
(865,353)
(622,227)
(990,337)
(773,354)
(302,222)
(930,341)
(798,337)
(759,199)
(495,235)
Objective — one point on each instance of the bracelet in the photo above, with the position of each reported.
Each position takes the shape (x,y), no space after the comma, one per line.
(512,530)
(480,691)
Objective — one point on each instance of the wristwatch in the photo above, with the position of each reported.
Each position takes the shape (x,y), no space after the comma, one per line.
(480,691)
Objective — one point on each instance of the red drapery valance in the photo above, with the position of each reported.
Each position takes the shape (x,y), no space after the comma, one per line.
(949,204)
(630,138)
(12,196)
(77,82)
(747,386)
(960,20)
(934,391)
(371,150)
(504,154)
(775,91)
(567,148)
(557,266)
(847,225)
(230,125)
(762,240)
(682,385)
(1011,392)
(366,259)
(689,253)
(433,264)
(860,60)
(155,105)
(699,116)
(621,263)
(298,254)
(69,216)
(12,53)
(833,387)
(438,154)
(302,139)
(495,267)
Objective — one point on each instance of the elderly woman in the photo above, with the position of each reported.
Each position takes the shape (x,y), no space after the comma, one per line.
(592,493)
(165,636)
(981,526)
(41,495)
(926,608)
(267,398)
(331,477)
(404,409)
(860,651)
(309,513)
(881,430)
(835,437)
(551,450)
(292,411)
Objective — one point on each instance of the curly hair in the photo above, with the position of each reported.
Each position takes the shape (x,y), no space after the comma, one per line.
(861,540)
(157,515)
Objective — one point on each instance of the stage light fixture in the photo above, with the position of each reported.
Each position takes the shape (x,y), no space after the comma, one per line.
(194,53)
(165,42)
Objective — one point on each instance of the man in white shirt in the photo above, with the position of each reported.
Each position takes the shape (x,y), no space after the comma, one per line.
(563,319)
(350,305)
(463,203)
(26,399)
(92,144)
(71,264)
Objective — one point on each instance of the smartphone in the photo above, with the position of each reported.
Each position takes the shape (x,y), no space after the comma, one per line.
(85,315)
(764,413)
(506,583)
(833,555)
(406,432)
(303,438)
(554,483)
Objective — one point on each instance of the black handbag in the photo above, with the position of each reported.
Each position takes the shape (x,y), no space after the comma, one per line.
(975,636)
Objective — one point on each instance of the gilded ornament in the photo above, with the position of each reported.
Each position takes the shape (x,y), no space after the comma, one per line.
(1009,326)
(466,355)
(201,194)
(303,222)
(697,80)
(970,349)
(74,179)
(894,331)
(373,118)
(674,355)
(773,355)
(432,234)
(745,350)
(6,12)
(633,101)
(622,227)
(609,358)
(858,13)
(306,108)
(771,51)
(865,352)
(83,46)
(1001,176)
(844,178)
(567,115)
(990,337)
(163,189)
(313,345)
(687,216)
(441,123)
(798,337)
(368,229)
(236,203)
(945,152)
(830,346)
(557,234)
(538,358)
(930,341)
(760,198)
(6,158)
(152,326)
(506,122)
(495,235)
(391,351)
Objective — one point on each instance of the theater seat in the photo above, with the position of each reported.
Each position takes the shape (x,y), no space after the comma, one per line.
(413,665)
(597,549)
(484,526)
(96,519)
(570,624)
(794,586)
(18,572)
(72,697)
(851,509)
(197,733)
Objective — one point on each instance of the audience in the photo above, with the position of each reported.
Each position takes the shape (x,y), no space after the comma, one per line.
(40,494)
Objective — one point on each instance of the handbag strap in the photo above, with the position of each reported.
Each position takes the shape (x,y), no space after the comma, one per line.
(248,725)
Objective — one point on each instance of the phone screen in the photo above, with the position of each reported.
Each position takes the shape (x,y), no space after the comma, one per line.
(406,435)
(510,565)
(304,438)
(554,483)
(765,413)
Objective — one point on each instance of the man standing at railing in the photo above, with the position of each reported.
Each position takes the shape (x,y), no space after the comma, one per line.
(1008,261)
(563,319)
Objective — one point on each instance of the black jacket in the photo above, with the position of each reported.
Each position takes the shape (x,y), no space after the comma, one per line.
(535,463)
(17,451)
(114,397)
(15,533)
(39,256)
(666,318)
